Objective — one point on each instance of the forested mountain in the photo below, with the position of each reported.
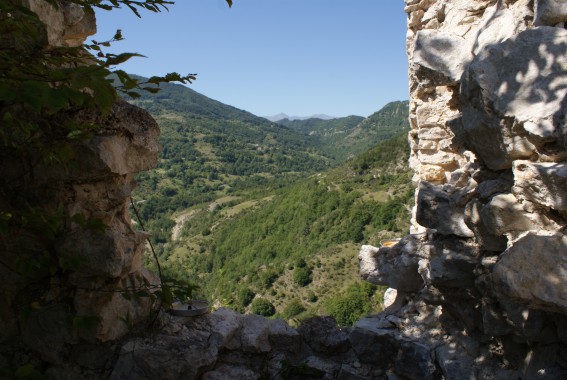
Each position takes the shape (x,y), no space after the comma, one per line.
(296,248)
(346,137)
(253,212)
(210,150)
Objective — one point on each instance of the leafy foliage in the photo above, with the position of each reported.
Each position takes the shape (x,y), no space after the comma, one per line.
(262,306)
(353,304)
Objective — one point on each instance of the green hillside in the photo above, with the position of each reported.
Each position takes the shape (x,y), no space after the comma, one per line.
(254,213)
(346,137)
(211,150)
(296,248)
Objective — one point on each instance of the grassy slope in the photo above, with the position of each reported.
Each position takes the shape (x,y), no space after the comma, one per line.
(244,245)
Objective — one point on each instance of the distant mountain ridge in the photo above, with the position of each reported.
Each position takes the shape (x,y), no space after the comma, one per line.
(283,116)
(345,137)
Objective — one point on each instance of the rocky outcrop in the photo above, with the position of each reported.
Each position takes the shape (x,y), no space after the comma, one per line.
(225,345)
(68,270)
(488,82)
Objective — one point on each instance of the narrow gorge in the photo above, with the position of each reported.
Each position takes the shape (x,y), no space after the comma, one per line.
(478,287)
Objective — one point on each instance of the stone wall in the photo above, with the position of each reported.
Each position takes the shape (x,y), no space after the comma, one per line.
(56,314)
(482,278)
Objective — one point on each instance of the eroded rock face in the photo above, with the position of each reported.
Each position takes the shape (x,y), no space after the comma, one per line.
(98,254)
(488,82)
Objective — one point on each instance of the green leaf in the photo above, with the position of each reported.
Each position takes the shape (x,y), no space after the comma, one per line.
(114,60)
(25,371)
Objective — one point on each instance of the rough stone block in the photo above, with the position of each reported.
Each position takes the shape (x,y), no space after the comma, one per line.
(550,12)
(532,271)
(323,335)
(437,209)
(254,334)
(378,347)
(415,361)
(396,267)
(522,79)
(442,52)
(542,183)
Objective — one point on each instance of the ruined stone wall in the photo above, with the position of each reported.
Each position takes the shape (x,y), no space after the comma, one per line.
(484,268)
(57,316)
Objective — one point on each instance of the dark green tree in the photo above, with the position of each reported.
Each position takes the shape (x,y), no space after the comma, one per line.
(262,306)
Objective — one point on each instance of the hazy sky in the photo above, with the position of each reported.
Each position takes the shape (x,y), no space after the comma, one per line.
(301,57)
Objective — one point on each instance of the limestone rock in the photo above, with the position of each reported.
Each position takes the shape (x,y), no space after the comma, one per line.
(454,365)
(504,214)
(227,325)
(283,336)
(443,52)
(532,271)
(375,346)
(542,183)
(521,78)
(323,335)
(254,334)
(550,12)
(484,230)
(437,209)
(168,358)
(415,361)
(396,266)
(231,372)
(116,311)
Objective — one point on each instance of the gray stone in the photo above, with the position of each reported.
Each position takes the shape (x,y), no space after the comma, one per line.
(320,368)
(442,52)
(165,357)
(282,336)
(532,271)
(323,335)
(550,12)
(116,311)
(542,183)
(484,231)
(414,361)
(452,270)
(350,373)
(396,266)
(504,213)
(454,365)
(374,346)
(437,209)
(487,189)
(225,325)
(517,87)
(254,334)
(225,372)
(47,330)
(494,322)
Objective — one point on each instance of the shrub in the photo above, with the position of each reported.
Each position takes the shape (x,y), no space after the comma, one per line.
(311,296)
(262,306)
(268,278)
(302,276)
(246,296)
(293,308)
(355,303)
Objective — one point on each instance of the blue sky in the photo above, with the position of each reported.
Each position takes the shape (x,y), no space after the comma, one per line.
(301,57)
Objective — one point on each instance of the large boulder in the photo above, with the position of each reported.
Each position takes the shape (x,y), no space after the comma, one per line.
(532,271)
(542,183)
(513,94)
(440,210)
(396,267)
